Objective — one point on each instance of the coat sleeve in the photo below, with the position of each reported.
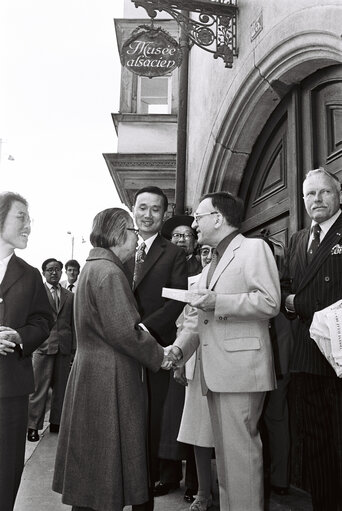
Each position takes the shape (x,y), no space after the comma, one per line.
(164,318)
(39,319)
(188,338)
(260,299)
(119,318)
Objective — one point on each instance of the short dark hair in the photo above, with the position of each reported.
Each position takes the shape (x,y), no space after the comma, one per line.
(51,260)
(109,228)
(230,206)
(6,200)
(152,189)
(72,262)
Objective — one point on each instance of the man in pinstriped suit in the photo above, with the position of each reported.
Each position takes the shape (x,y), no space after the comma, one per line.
(312,281)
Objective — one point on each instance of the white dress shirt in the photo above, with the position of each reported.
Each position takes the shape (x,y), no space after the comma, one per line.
(3,266)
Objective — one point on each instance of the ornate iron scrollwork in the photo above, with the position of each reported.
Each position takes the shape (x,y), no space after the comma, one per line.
(214,29)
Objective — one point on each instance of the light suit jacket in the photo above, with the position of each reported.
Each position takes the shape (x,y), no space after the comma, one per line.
(236,353)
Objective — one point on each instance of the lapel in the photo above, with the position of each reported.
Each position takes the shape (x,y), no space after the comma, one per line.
(332,237)
(64,296)
(13,273)
(156,250)
(301,248)
(225,260)
(51,300)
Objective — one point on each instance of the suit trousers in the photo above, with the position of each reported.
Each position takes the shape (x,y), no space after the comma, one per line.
(234,418)
(49,371)
(276,420)
(13,426)
(321,398)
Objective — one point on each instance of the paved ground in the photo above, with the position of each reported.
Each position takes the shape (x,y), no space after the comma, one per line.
(35,492)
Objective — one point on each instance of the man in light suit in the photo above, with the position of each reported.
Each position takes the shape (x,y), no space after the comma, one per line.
(51,361)
(312,281)
(160,264)
(25,319)
(239,293)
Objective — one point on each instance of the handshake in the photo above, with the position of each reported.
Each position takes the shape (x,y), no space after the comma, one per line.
(172,355)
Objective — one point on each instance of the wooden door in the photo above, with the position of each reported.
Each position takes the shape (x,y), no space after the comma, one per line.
(304,132)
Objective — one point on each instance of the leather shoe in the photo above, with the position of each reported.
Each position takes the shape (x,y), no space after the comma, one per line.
(164,488)
(54,428)
(189,495)
(280,490)
(32,435)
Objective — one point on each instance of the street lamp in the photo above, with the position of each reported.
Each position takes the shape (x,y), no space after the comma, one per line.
(72,243)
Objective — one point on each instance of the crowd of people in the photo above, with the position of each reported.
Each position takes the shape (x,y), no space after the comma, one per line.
(142,383)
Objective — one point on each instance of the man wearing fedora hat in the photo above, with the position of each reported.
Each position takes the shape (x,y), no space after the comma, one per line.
(178,230)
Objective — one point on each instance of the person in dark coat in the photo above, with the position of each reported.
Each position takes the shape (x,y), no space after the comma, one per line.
(178,230)
(101,461)
(25,319)
(311,282)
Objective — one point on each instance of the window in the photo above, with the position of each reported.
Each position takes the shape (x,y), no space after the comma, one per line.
(154,95)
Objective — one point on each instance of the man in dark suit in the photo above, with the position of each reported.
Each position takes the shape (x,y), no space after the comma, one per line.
(312,281)
(51,361)
(159,264)
(25,319)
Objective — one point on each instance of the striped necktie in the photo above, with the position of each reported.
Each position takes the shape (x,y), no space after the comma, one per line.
(316,231)
(139,263)
(70,286)
(54,293)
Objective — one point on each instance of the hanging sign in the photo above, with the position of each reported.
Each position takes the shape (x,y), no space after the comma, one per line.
(151,52)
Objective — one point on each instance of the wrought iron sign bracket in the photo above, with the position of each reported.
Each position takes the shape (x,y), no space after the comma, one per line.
(214,29)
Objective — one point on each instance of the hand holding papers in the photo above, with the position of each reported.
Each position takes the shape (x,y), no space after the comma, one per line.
(326,331)
(202,298)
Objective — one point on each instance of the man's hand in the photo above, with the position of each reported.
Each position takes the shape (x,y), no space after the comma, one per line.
(179,376)
(289,305)
(172,355)
(8,340)
(206,302)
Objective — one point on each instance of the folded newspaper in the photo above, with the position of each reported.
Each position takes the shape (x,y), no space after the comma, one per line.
(326,331)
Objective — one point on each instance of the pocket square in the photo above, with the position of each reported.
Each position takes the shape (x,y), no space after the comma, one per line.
(336,250)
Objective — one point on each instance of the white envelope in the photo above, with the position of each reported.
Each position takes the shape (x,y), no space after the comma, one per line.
(181,295)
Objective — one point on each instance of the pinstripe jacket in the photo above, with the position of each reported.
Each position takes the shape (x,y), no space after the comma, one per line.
(316,286)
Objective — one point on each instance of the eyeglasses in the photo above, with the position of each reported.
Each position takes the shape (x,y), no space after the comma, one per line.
(206,251)
(178,235)
(52,270)
(136,231)
(199,215)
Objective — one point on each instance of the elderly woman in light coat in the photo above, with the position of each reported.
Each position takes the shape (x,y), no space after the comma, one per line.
(101,461)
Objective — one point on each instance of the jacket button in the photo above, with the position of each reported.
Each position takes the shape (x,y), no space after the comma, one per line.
(327,279)
(205,321)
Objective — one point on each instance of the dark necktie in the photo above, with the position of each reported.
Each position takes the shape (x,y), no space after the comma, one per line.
(139,262)
(212,266)
(55,296)
(70,286)
(316,231)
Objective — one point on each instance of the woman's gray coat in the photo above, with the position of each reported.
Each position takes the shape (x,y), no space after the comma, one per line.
(101,459)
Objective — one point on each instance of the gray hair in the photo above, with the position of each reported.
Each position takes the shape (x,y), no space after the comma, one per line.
(109,228)
(322,170)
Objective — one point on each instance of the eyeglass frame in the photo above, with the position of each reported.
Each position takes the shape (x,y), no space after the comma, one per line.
(133,229)
(185,235)
(209,249)
(52,270)
(199,215)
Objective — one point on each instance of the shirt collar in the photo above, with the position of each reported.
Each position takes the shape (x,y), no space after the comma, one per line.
(148,242)
(325,226)
(4,262)
(50,286)
(222,246)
